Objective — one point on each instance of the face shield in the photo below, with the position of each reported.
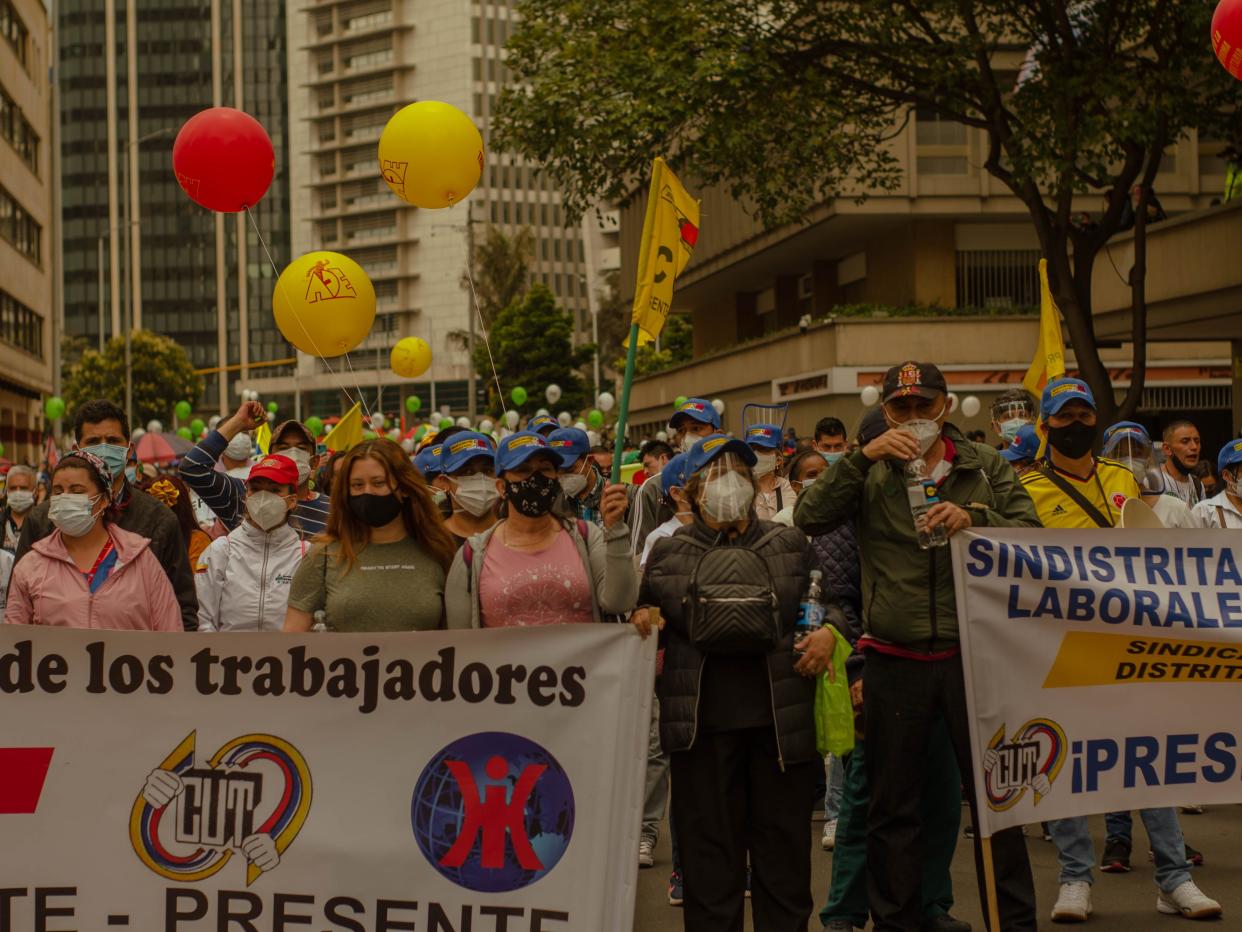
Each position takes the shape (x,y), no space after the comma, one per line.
(1137,454)
(727,491)
(1009,417)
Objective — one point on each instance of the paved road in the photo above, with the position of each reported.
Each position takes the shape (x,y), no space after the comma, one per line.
(1123,903)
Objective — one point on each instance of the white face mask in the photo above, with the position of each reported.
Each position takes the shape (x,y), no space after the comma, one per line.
(925,430)
(266,509)
(476,494)
(728,497)
(73,513)
(239,447)
(301,458)
(21,500)
(765,465)
(1009,429)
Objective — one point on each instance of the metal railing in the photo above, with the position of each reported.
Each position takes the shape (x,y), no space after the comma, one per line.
(994,278)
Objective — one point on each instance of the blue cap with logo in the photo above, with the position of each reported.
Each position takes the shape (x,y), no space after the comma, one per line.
(427,461)
(1060,392)
(1125,430)
(1230,455)
(517,448)
(1025,445)
(764,436)
(461,448)
(713,446)
(570,444)
(542,424)
(673,475)
(700,409)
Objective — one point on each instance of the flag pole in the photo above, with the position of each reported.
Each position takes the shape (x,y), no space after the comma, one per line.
(623,416)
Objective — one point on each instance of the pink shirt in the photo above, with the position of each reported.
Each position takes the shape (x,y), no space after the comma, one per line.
(550,587)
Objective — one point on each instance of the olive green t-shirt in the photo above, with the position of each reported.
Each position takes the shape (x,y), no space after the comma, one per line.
(392,587)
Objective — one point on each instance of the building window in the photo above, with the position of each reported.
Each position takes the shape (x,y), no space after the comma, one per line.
(18,132)
(14,32)
(19,228)
(20,326)
(998,278)
(941,144)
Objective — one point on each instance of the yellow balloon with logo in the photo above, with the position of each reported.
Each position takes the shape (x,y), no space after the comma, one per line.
(324,304)
(411,357)
(431,154)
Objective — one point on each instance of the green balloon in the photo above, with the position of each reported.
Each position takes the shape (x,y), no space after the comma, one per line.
(595,420)
(182,410)
(420,433)
(54,408)
(271,407)
(184,433)
(412,404)
(446,422)
(679,401)
(519,396)
(197,427)
(368,435)
(314,425)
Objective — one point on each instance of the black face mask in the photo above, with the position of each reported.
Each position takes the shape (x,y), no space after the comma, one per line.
(532,497)
(1182,467)
(375,510)
(1073,440)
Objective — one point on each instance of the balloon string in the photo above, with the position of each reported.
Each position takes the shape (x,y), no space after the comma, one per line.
(500,392)
(280,283)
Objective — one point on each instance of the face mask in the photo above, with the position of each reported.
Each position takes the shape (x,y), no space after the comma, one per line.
(1181,467)
(727,498)
(924,430)
(73,513)
(266,509)
(1009,429)
(532,497)
(764,465)
(476,494)
(834,457)
(302,459)
(114,456)
(239,447)
(1073,440)
(573,484)
(131,473)
(439,498)
(375,510)
(1235,486)
(21,500)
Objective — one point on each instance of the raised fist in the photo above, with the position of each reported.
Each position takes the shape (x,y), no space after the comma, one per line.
(161,788)
(990,759)
(1041,784)
(260,850)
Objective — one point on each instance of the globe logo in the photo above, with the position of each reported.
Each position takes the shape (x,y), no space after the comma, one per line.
(493,812)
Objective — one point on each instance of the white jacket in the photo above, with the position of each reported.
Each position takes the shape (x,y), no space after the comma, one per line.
(243,579)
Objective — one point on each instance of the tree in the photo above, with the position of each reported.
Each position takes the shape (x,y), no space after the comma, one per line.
(676,346)
(792,102)
(532,346)
(161,376)
(501,270)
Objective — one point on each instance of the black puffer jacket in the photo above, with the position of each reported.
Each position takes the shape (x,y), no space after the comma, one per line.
(790,696)
(836,556)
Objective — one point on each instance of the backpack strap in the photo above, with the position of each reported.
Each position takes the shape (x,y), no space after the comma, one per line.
(467,554)
(780,500)
(1220,516)
(770,535)
(1074,495)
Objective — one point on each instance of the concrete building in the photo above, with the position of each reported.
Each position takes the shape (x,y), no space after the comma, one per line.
(352,64)
(27,227)
(950,235)
(137,251)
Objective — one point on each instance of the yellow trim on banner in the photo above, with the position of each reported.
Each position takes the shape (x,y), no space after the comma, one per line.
(1088,658)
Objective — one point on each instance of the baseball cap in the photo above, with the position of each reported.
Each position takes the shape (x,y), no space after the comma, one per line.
(427,461)
(569,444)
(1123,430)
(873,424)
(920,379)
(461,448)
(1230,454)
(700,409)
(279,469)
(517,448)
(542,422)
(673,476)
(767,436)
(1025,445)
(713,446)
(294,425)
(1060,392)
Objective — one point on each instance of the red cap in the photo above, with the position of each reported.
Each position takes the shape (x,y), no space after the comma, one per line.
(278,468)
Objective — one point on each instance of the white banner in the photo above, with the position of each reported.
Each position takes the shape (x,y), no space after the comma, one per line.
(1103,670)
(438,782)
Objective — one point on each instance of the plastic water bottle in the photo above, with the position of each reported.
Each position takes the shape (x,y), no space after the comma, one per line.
(923,494)
(811,618)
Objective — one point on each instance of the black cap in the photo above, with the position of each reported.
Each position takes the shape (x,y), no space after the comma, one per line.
(921,379)
(873,424)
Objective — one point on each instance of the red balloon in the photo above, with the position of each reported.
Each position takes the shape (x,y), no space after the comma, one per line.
(1227,35)
(224,159)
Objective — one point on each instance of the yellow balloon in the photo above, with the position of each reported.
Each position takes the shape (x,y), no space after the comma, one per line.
(324,304)
(431,154)
(411,357)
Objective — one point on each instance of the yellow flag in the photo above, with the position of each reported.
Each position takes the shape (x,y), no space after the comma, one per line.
(263,437)
(348,431)
(670,231)
(1049,362)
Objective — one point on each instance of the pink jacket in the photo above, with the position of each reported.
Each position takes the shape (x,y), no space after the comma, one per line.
(47,588)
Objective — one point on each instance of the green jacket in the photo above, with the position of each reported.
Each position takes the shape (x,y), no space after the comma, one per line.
(908,595)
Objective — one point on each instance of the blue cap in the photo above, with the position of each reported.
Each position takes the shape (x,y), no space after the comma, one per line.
(427,461)
(698,408)
(517,448)
(1125,430)
(461,448)
(541,422)
(767,436)
(674,474)
(1230,454)
(1059,392)
(713,446)
(570,444)
(1025,445)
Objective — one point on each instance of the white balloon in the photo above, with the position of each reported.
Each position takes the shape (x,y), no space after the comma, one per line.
(444,410)
(951,402)
(136,433)
(271,417)
(606,402)
(593,438)
(564,419)
(580,425)
(553,394)
(154,427)
(542,412)
(718,405)
(661,435)
(869,395)
(463,422)
(486,426)
(377,421)
(511,420)
(970,406)
(215,419)
(408,444)
(394,434)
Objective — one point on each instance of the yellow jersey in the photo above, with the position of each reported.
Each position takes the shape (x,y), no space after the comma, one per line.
(1107,488)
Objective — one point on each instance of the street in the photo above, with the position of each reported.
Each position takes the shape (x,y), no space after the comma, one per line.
(1121,901)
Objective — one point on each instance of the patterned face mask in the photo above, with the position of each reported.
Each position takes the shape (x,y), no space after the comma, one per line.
(533,496)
